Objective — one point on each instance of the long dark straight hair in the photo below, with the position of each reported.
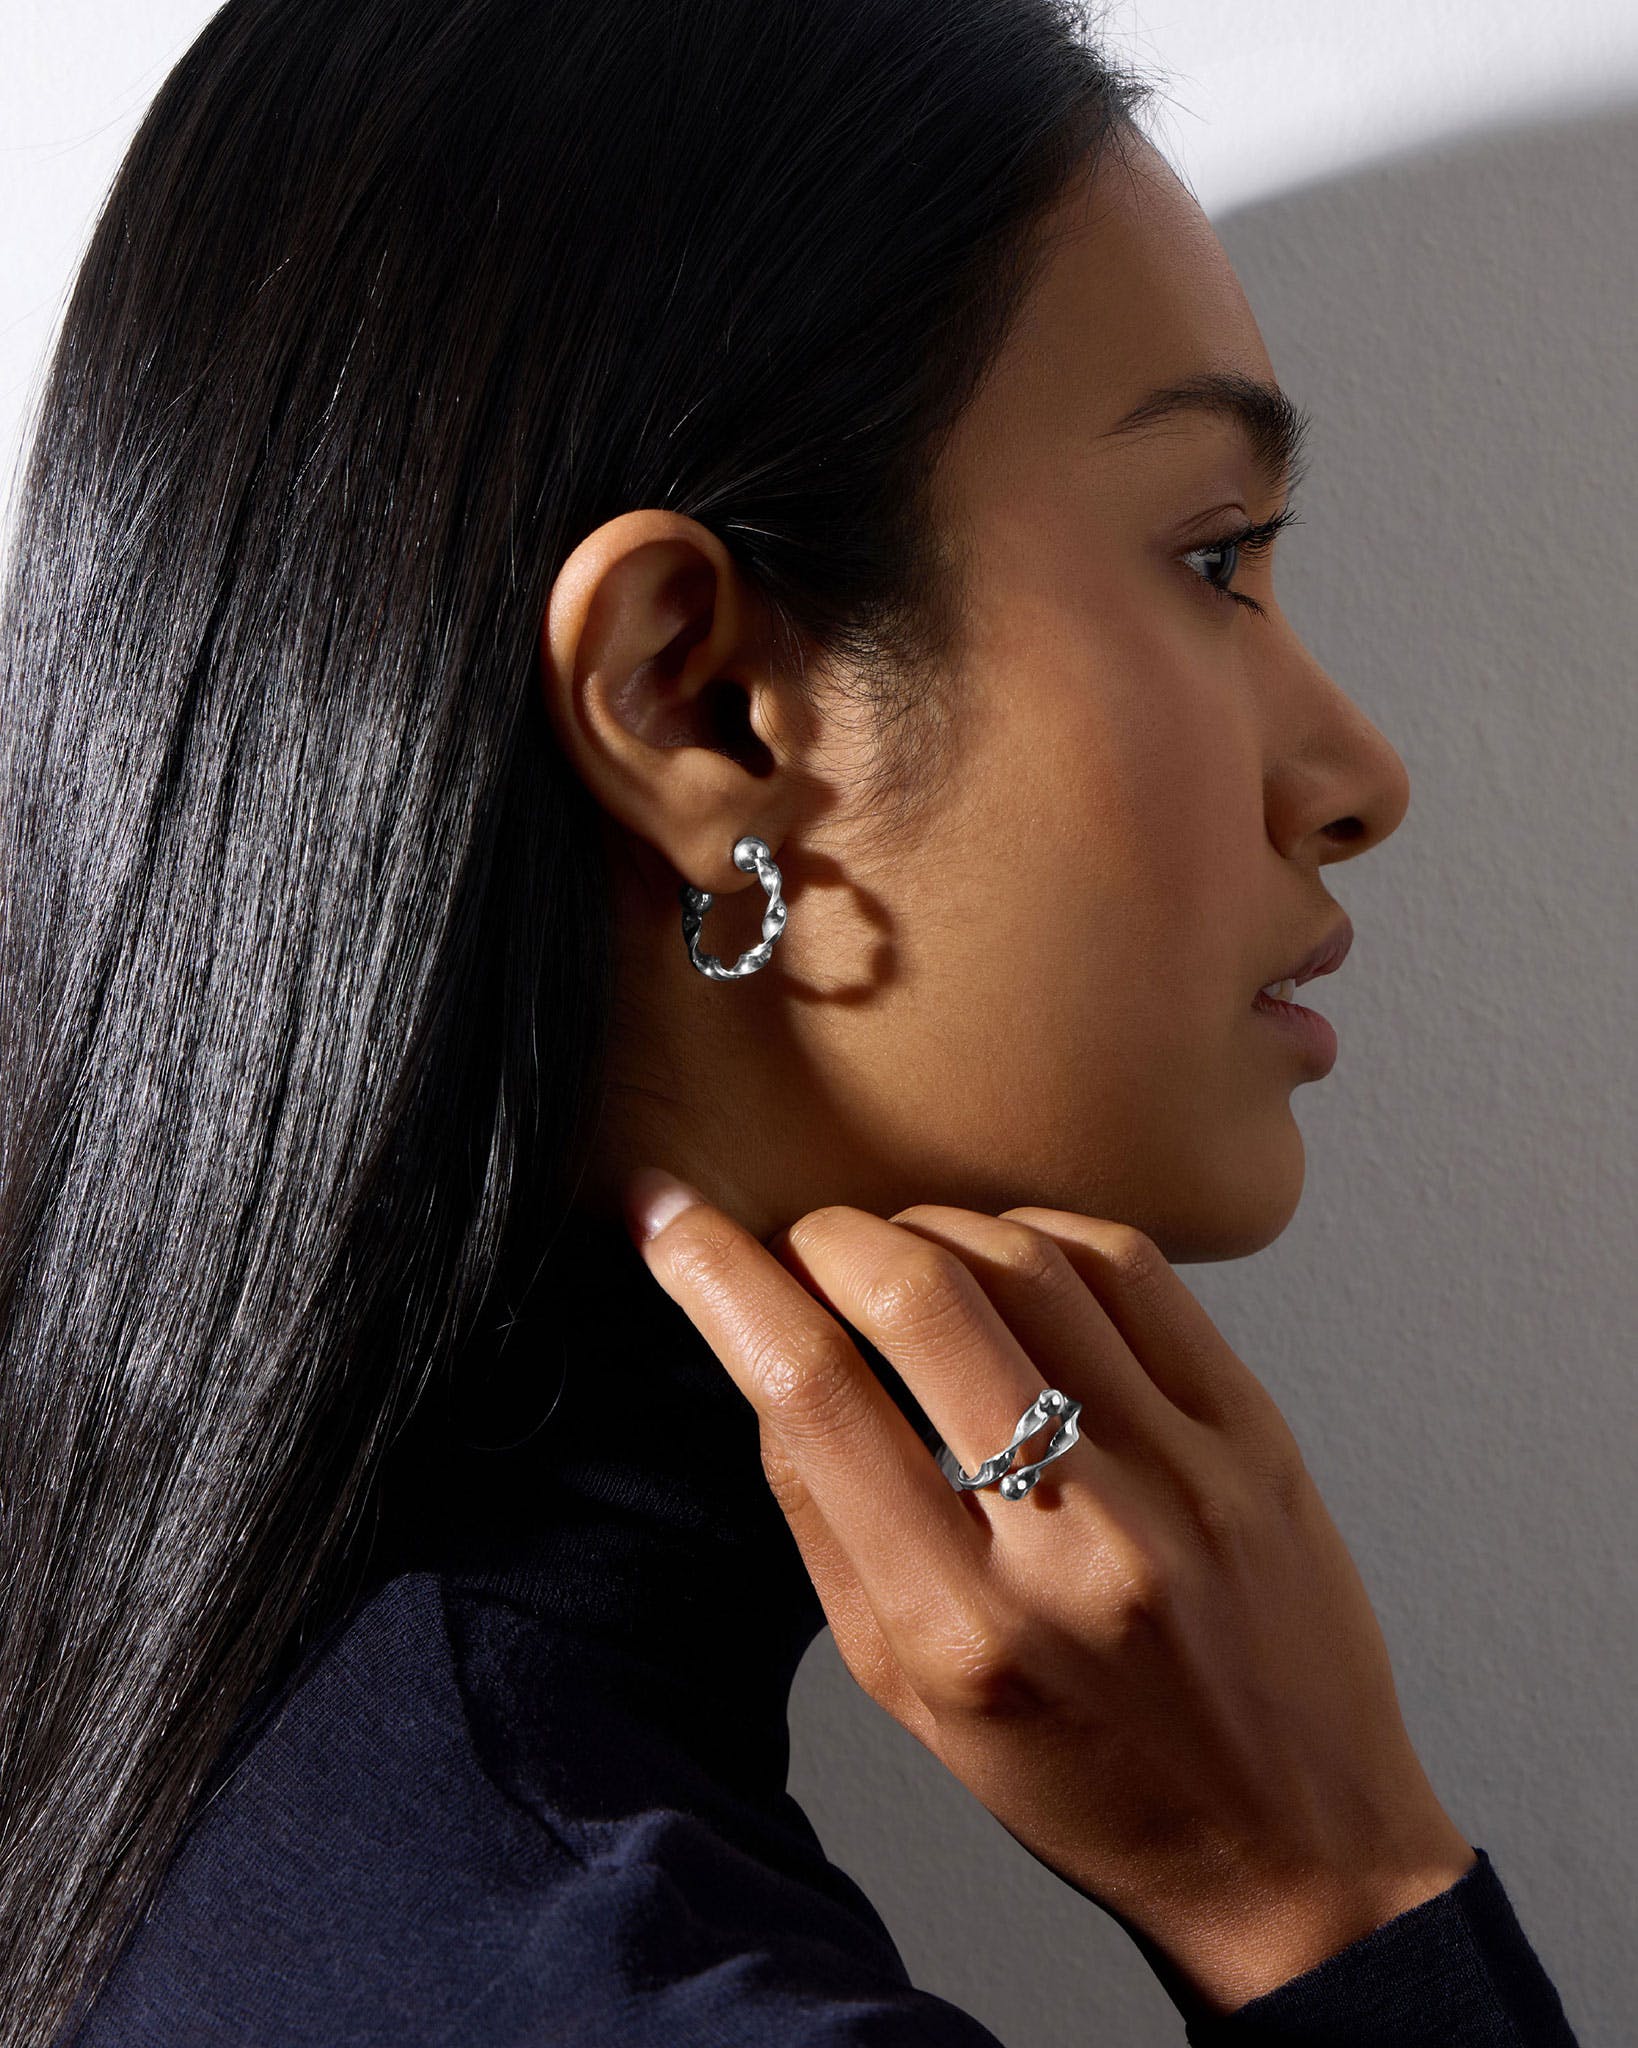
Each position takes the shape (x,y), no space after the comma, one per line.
(305,967)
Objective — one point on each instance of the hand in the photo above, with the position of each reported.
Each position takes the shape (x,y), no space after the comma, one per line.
(1159,1670)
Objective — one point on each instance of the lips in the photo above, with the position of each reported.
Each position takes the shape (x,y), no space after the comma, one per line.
(1325,958)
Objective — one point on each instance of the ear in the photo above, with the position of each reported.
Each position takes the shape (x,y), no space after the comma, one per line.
(655,663)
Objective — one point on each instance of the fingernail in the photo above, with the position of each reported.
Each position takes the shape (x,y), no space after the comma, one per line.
(652,1198)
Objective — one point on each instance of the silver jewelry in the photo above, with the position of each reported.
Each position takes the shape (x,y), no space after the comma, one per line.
(749,852)
(1048,1405)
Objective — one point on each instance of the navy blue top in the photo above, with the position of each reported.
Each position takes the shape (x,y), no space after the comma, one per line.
(530,1791)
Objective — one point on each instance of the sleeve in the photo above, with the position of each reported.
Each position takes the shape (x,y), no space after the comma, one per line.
(1454,1972)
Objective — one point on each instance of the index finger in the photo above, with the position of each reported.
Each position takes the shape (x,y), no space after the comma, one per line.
(911,1540)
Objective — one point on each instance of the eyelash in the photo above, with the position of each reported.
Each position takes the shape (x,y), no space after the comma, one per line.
(1251,539)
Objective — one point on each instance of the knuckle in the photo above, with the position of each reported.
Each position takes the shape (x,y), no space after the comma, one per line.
(977,1668)
(1245,1485)
(784,1479)
(1265,1443)
(1217,1517)
(1032,1257)
(1143,1594)
(919,1296)
(1133,1258)
(1281,1468)
(806,1379)
(701,1254)
(819,1226)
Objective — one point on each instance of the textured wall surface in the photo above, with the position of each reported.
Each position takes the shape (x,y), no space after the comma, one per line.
(1449,1321)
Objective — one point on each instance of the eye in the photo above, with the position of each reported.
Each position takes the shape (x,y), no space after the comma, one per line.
(1254,538)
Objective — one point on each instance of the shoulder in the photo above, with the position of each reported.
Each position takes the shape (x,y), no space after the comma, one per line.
(378,1867)
(348,1857)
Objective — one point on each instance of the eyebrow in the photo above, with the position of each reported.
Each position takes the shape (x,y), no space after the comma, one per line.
(1275,427)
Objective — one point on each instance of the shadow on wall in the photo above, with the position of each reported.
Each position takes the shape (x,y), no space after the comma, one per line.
(1461,324)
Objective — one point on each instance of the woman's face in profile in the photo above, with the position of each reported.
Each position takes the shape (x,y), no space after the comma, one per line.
(1149,777)
(1146,779)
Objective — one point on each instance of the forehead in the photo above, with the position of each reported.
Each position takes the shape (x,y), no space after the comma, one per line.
(1134,291)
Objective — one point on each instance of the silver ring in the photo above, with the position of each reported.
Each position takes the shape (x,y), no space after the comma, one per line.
(1048,1406)
(749,852)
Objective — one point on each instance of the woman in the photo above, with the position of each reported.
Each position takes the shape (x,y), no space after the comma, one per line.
(507,468)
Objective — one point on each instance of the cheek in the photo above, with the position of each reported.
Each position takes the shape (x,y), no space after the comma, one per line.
(1064,1024)
(1150,799)
(1104,864)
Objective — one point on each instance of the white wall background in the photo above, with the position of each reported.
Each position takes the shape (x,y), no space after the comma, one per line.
(1431,204)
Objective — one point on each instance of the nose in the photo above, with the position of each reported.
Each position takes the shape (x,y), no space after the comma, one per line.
(1335,785)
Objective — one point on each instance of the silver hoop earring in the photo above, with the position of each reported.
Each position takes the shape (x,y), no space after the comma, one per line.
(749,852)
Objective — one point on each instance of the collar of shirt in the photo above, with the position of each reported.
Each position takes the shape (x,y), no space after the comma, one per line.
(602,1488)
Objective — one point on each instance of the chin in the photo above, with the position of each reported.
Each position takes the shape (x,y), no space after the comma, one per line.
(1238,1211)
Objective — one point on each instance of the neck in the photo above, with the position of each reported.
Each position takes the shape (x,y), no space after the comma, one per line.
(608,1484)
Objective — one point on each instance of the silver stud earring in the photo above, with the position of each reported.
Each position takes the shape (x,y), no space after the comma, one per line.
(749,852)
